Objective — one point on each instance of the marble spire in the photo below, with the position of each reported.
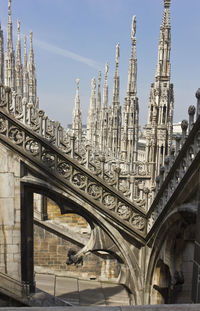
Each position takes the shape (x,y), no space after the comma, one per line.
(116,77)
(129,137)
(98,111)
(115,110)
(10,56)
(104,113)
(105,88)
(99,92)
(132,73)
(25,52)
(31,72)
(91,121)
(9,35)
(161,101)
(77,123)
(25,72)
(163,65)
(18,64)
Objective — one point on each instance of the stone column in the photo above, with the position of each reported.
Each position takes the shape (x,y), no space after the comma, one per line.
(27,260)
(10,214)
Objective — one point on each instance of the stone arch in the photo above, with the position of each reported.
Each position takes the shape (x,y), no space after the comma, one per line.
(172,251)
(131,275)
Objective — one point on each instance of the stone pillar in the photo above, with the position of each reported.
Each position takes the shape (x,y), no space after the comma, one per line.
(10,214)
(27,264)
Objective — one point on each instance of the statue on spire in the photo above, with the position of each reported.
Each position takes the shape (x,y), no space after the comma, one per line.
(9,7)
(117,53)
(18,26)
(77,84)
(133,30)
(167,3)
(99,78)
(106,69)
(31,37)
(93,84)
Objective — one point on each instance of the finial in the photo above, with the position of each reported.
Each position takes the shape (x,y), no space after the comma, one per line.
(25,42)
(167,4)
(77,84)
(117,53)
(18,27)
(93,84)
(106,68)
(99,78)
(31,37)
(9,7)
(133,29)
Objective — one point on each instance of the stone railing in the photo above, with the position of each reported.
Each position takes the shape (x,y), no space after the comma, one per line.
(182,156)
(29,141)
(102,165)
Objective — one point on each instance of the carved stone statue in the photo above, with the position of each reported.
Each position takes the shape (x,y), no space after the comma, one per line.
(133,30)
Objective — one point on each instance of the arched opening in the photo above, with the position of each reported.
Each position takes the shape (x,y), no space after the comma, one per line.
(54,236)
(161,283)
(171,264)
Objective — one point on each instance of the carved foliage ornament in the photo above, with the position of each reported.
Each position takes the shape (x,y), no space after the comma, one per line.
(3,125)
(109,201)
(64,169)
(124,211)
(48,158)
(15,135)
(32,146)
(79,180)
(138,222)
(94,190)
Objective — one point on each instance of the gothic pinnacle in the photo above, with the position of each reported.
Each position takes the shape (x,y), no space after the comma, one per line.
(132,73)
(9,37)
(31,54)
(77,100)
(18,49)
(93,85)
(25,52)
(99,92)
(99,79)
(105,88)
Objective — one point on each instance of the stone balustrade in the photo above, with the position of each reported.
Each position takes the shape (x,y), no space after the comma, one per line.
(177,165)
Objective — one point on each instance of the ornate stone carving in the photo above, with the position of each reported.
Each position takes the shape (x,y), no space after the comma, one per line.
(48,158)
(64,169)
(79,180)
(109,201)
(32,146)
(138,222)
(3,125)
(124,211)
(16,135)
(94,190)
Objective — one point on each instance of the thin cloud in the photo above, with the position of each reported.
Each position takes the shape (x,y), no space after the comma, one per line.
(61,52)
(66,53)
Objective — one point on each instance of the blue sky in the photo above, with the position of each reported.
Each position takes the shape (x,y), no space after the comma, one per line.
(74,38)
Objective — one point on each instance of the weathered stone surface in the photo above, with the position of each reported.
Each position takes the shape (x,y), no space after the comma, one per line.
(182,307)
